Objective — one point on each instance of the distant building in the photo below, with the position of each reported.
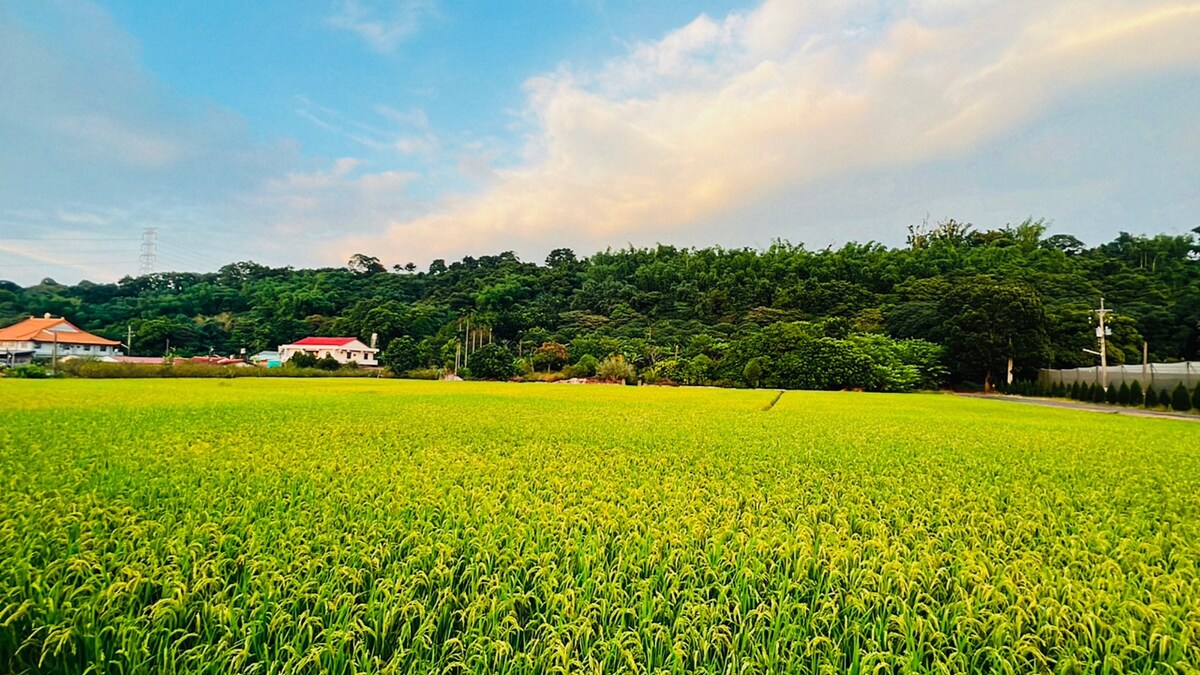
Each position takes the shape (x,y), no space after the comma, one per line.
(214,361)
(40,338)
(269,359)
(342,349)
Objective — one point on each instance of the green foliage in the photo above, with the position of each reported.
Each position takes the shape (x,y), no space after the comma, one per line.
(1111,396)
(1136,397)
(699,370)
(1123,395)
(585,367)
(389,526)
(1196,398)
(491,362)
(29,372)
(1151,398)
(302,360)
(424,374)
(327,363)
(1164,398)
(987,321)
(1099,395)
(1181,400)
(401,355)
(976,296)
(616,369)
(550,356)
(752,374)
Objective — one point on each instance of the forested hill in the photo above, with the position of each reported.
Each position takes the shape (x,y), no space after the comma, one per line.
(981,295)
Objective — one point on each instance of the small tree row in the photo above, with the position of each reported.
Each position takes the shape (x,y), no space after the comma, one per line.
(1129,394)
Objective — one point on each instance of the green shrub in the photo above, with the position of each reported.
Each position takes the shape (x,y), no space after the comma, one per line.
(1151,398)
(753,372)
(699,370)
(1164,398)
(302,360)
(401,355)
(1196,398)
(1123,394)
(616,369)
(1135,393)
(30,372)
(424,374)
(1111,396)
(1180,399)
(585,367)
(1098,394)
(1075,390)
(491,362)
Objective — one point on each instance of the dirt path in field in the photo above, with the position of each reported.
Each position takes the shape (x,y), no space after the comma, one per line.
(1072,405)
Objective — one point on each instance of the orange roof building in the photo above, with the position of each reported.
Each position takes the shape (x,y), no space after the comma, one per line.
(43,336)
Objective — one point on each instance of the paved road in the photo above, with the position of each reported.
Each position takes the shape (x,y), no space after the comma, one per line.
(1073,405)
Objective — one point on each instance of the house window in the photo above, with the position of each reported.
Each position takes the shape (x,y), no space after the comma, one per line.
(87,348)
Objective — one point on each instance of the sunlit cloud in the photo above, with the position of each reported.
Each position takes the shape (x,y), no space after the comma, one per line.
(722,113)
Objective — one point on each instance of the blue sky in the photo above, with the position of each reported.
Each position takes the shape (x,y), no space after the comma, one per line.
(299,133)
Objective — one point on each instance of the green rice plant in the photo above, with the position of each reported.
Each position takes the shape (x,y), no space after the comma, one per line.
(390,526)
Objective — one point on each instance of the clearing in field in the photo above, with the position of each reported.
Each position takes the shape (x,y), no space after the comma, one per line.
(387,526)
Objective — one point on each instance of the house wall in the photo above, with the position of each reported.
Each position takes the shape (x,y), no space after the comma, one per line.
(341,355)
(45,350)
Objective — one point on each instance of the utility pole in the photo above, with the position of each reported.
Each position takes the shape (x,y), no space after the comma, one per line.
(1102,333)
(54,355)
(129,340)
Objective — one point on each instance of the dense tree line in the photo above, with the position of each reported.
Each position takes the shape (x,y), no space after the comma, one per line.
(953,305)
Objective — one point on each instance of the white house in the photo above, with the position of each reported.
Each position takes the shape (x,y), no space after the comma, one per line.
(46,336)
(343,349)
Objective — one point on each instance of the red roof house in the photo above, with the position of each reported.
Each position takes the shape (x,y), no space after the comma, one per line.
(342,349)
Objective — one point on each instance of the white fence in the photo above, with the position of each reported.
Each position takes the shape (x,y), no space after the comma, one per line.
(1157,375)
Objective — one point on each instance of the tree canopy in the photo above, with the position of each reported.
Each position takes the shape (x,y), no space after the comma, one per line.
(979,296)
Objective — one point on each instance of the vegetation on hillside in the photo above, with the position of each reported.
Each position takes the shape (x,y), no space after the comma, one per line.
(954,305)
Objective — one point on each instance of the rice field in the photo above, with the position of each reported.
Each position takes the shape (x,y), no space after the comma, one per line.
(345,526)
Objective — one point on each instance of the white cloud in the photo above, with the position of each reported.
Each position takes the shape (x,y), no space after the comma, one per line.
(720,114)
(383,25)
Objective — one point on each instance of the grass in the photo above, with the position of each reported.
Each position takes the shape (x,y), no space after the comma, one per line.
(394,526)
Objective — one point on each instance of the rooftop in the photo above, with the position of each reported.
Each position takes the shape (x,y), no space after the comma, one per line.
(50,329)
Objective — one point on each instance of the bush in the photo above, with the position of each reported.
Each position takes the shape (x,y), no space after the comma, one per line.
(302,360)
(1075,390)
(1164,398)
(1123,394)
(30,372)
(616,369)
(699,370)
(1111,396)
(1098,394)
(753,372)
(491,362)
(1135,393)
(1196,397)
(401,355)
(1180,399)
(424,374)
(585,367)
(328,363)
(1151,398)
(550,356)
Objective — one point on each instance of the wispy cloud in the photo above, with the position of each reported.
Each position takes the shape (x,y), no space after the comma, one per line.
(407,132)
(721,114)
(383,25)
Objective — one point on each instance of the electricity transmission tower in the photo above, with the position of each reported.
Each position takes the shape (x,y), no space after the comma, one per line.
(149,256)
